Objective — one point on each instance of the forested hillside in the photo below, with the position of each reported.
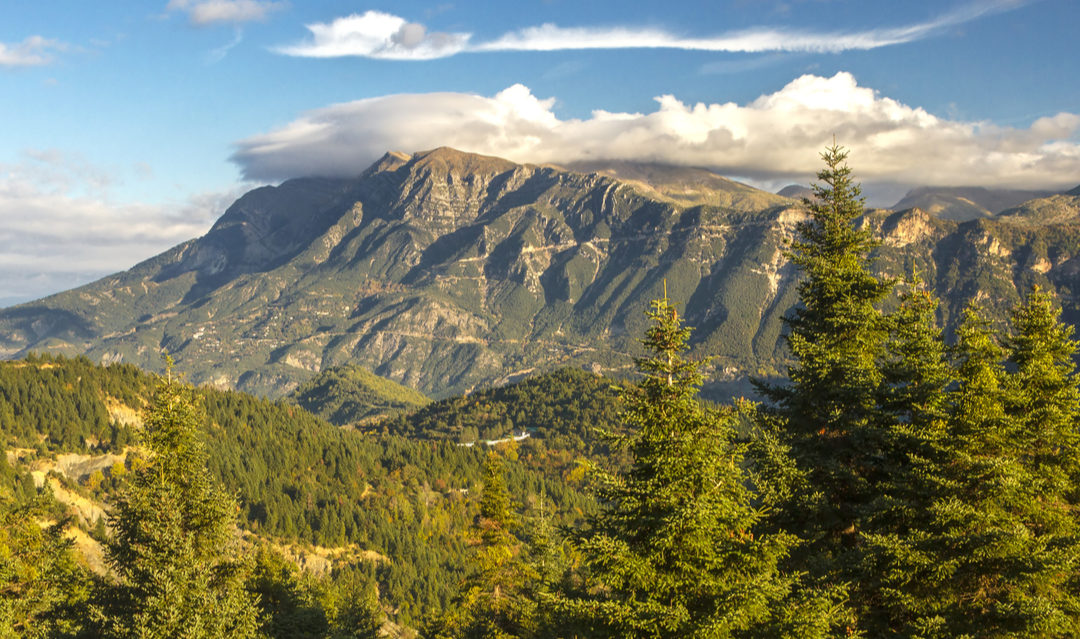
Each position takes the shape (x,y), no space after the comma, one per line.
(349,394)
(566,409)
(401,503)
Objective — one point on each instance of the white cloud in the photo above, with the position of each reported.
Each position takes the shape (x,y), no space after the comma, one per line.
(31,52)
(207,12)
(61,227)
(375,34)
(776,137)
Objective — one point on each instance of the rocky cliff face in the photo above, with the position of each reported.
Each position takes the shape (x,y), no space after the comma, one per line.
(446,270)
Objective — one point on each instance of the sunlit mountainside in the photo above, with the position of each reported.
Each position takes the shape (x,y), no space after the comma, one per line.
(446,271)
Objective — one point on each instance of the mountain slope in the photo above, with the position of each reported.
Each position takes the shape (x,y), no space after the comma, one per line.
(445,271)
(566,409)
(400,507)
(796,191)
(442,271)
(683,185)
(1055,209)
(963,204)
(345,395)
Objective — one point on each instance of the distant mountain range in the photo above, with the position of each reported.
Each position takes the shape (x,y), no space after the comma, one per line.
(963,204)
(959,204)
(446,271)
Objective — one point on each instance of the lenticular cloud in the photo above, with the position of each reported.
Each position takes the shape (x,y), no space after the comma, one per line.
(777,136)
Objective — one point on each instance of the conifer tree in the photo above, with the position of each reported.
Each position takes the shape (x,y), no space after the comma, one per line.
(915,371)
(287,598)
(546,563)
(351,602)
(675,551)
(42,587)
(828,413)
(1044,399)
(173,545)
(894,574)
(981,569)
(492,605)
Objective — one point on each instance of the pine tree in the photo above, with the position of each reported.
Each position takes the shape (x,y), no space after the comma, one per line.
(351,602)
(915,372)
(173,545)
(1043,399)
(287,598)
(547,561)
(675,551)
(828,413)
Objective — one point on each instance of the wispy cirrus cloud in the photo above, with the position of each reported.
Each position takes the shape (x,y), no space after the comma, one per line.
(379,35)
(218,54)
(776,137)
(34,51)
(207,12)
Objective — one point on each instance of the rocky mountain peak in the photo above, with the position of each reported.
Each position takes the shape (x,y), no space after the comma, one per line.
(964,203)
(796,191)
(445,270)
(908,227)
(390,161)
(445,160)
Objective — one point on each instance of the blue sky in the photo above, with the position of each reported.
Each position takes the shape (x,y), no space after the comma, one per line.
(130,126)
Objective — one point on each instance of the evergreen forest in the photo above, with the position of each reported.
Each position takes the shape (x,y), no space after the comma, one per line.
(898,481)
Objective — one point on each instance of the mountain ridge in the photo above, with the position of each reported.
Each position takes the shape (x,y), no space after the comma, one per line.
(445,271)
(965,203)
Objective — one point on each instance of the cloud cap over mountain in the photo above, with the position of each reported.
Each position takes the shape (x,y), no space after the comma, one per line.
(777,136)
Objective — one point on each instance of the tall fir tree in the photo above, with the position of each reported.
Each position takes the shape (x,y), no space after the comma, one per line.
(1044,399)
(675,551)
(981,569)
(828,413)
(173,547)
(896,574)
(493,604)
(915,372)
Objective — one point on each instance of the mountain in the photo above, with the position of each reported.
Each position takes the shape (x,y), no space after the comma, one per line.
(446,271)
(1055,209)
(345,395)
(965,203)
(796,191)
(685,186)
(442,271)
